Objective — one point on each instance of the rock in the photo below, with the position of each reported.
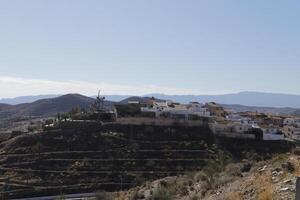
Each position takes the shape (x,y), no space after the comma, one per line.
(262,168)
(274,173)
(289,181)
(280,173)
(211,151)
(274,179)
(277,169)
(285,189)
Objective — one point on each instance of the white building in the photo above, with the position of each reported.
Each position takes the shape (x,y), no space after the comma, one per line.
(273,136)
(241,128)
(239,124)
(292,122)
(234,117)
(272,133)
(198,109)
(175,109)
(158,108)
(292,132)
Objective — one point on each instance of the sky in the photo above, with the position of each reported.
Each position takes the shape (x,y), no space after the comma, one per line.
(136,47)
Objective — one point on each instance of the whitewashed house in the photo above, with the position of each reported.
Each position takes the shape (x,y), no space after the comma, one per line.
(239,124)
(272,133)
(158,108)
(239,127)
(292,122)
(292,132)
(171,109)
(198,109)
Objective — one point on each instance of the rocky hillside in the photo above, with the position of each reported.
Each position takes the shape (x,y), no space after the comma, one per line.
(274,178)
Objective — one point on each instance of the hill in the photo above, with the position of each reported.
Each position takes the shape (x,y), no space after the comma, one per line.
(26,99)
(46,107)
(139,99)
(82,157)
(51,106)
(4,106)
(253,99)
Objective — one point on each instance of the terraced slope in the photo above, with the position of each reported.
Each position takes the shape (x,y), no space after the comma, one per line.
(109,157)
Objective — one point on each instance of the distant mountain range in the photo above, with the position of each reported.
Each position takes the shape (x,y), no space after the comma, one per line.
(26,99)
(273,110)
(245,101)
(257,99)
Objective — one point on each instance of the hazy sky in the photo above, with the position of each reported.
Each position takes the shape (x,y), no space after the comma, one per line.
(147,46)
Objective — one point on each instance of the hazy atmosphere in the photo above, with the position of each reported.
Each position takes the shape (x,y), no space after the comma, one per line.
(139,47)
(149,100)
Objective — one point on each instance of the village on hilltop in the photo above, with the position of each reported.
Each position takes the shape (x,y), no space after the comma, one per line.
(223,122)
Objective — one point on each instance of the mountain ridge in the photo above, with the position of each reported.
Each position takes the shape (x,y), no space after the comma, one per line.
(259,99)
(26,99)
(64,103)
(247,98)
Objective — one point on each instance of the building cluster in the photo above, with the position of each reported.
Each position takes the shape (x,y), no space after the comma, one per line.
(291,128)
(227,122)
(257,124)
(273,127)
(191,111)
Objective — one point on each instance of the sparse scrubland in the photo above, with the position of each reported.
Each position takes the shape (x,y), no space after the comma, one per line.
(271,179)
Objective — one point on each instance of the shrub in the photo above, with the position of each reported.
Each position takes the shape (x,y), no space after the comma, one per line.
(194,197)
(200,176)
(234,170)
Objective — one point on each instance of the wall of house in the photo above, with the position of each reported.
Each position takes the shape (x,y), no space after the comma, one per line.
(267,136)
(296,137)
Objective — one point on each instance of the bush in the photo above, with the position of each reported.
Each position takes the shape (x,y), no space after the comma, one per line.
(200,176)
(195,197)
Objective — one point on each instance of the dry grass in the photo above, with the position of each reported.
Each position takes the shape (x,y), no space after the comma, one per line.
(296,163)
(233,196)
(264,187)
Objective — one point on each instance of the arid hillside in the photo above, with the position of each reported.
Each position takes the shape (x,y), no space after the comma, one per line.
(46,107)
(80,157)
